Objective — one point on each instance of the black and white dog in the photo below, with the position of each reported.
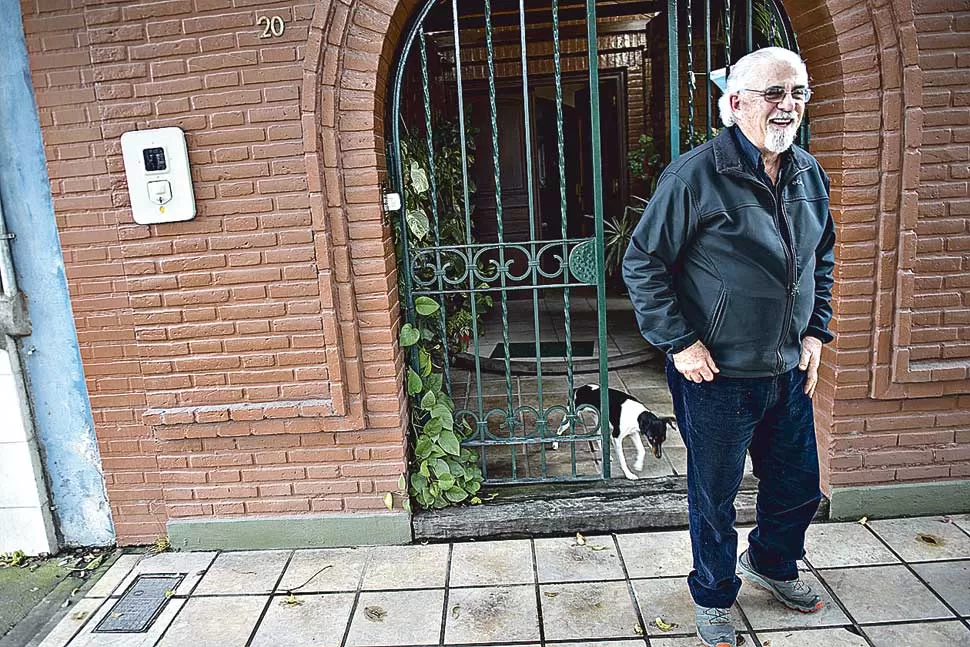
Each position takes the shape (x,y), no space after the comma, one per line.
(628,418)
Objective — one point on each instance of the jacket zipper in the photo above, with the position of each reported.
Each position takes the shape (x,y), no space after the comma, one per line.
(780,217)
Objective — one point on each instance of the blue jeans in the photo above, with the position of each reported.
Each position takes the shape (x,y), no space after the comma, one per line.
(720,421)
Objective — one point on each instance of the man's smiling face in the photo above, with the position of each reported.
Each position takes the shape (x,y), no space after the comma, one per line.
(770,126)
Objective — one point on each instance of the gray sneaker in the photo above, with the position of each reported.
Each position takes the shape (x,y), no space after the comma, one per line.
(794,594)
(714,626)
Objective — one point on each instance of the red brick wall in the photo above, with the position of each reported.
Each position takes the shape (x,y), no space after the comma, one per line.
(890,126)
(242,363)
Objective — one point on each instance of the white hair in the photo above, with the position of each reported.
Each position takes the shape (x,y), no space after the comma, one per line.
(750,66)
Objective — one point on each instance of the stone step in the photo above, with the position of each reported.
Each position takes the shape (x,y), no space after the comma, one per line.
(565,509)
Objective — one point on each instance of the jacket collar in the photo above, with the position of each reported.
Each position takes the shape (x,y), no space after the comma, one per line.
(728,158)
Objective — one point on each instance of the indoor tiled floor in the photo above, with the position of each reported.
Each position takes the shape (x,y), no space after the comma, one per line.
(883,584)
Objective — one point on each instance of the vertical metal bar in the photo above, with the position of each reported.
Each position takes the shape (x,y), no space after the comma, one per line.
(673,78)
(526,112)
(561,148)
(434,208)
(690,76)
(469,256)
(707,66)
(493,113)
(749,26)
(594,109)
(727,39)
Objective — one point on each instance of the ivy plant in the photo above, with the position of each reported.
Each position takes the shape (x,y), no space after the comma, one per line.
(443,472)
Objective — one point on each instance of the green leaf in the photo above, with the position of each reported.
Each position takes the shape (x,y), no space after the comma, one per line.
(456,469)
(424,470)
(422,449)
(418,223)
(406,504)
(409,335)
(440,467)
(434,384)
(443,413)
(424,362)
(473,486)
(426,306)
(446,481)
(414,382)
(401,483)
(428,401)
(456,495)
(449,442)
(433,428)
(419,482)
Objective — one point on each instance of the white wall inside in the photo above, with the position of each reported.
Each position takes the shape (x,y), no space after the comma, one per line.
(25,517)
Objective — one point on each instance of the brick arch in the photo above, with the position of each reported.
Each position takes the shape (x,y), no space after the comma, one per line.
(349,53)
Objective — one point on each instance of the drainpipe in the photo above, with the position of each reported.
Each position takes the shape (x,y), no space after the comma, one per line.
(14,322)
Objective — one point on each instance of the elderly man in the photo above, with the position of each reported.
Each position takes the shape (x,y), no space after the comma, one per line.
(730,274)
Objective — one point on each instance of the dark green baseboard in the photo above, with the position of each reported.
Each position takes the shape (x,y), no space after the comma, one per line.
(900,500)
(318,531)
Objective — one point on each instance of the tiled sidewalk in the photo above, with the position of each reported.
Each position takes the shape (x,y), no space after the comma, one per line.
(881,583)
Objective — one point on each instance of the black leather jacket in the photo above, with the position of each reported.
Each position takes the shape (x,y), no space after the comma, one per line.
(746,268)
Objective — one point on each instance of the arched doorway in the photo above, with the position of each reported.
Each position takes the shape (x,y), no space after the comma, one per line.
(525,137)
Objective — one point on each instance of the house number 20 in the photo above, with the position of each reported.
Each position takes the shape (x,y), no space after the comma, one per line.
(271,26)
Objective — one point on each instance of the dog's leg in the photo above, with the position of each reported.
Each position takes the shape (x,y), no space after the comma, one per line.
(641,451)
(618,446)
(563,428)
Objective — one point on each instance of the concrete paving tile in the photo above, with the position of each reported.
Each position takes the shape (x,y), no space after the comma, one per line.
(669,599)
(87,637)
(883,594)
(590,611)
(924,634)
(215,622)
(406,567)
(612,643)
(840,637)
(318,620)
(656,554)
(342,570)
(492,562)
(902,535)
(251,571)
(77,617)
(397,618)
(193,565)
(831,545)
(949,579)
(962,520)
(560,559)
(493,614)
(108,582)
(765,612)
(744,640)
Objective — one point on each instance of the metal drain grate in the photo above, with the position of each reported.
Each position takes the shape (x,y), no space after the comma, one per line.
(141,604)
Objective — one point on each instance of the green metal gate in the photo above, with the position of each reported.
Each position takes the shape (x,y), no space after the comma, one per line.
(453,86)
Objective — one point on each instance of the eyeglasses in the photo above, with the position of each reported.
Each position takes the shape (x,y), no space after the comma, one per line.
(776,94)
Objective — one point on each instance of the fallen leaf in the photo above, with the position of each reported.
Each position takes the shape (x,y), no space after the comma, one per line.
(863,521)
(375,614)
(664,626)
(389,500)
(551,594)
(456,611)
(79,615)
(580,540)
(637,629)
(292,601)
(598,547)
(766,643)
(169,593)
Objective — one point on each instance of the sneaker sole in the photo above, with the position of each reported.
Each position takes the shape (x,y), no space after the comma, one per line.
(720,644)
(758,581)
